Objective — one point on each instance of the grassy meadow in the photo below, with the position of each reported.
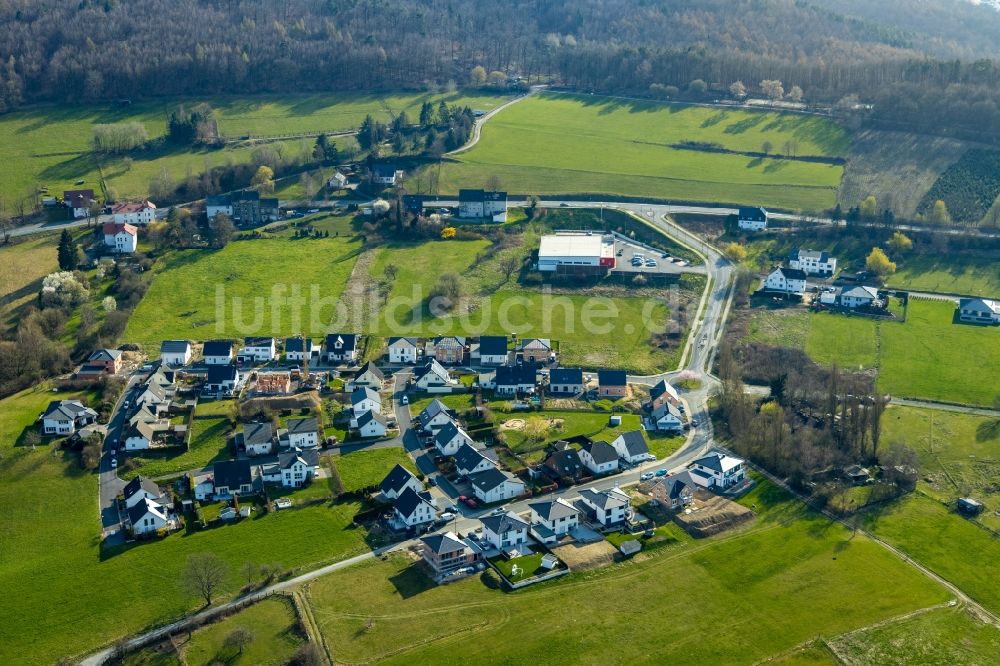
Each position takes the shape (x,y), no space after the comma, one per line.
(22,267)
(563,144)
(805,578)
(51,145)
(209,443)
(366,468)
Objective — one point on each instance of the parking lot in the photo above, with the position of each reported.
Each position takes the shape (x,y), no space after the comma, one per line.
(636,258)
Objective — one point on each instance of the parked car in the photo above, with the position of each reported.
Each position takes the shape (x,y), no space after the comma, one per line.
(114,463)
(431,481)
(645,476)
(661,472)
(405,400)
(694,423)
(447,515)
(471,503)
(651,263)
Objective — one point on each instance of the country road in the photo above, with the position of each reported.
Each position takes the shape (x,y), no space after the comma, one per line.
(477,129)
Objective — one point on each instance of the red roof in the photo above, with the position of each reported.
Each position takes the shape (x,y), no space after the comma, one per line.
(131,206)
(78,198)
(112,229)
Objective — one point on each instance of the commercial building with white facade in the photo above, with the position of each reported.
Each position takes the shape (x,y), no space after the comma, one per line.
(577,251)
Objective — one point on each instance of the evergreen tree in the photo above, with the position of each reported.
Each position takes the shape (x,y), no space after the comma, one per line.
(426,114)
(67,252)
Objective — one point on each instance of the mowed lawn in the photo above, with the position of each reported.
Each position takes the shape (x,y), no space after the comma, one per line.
(254,287)
(209,443)
(51,145)
(773,586)
(103,596)
(366,468)
(827,338)
(22,267)
(276,636)
(560,144)
(971,276)
(592,331)
(930,357)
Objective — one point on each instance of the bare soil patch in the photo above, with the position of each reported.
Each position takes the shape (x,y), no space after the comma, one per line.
(586,556)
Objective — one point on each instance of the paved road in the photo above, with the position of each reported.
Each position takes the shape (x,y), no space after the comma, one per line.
(108,481)
(945,407)
(477,129)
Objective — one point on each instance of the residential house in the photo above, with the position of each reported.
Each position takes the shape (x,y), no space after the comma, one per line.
(565,381)
(222,379)
(341,348)
(147,517)
(138,489)
(565,463)
(718,470)
(63,417)
(505,531)
(245,208)
(482,205)
(302,433)
(217,352)
(292,469)
(202,486)
(434,416)
(599,457)
(433,378)
(398,480)
(176,353)
(673,492)
(979,311)
(511,379)
(631,447)
(612,384)
(552,519)
(233,478)
(450,438)
(492,349)
(155,395)
(139,213)
(402,350)
(257,350)
(363,399)
(120,238)
(139,436)
(752,218)
(300,349)
(448,349)
(258,439)
(448,552)
(387,174)
(470,460)
(413,509)
(813,262)
(338,181)
(667,418)
(101,362)
(494,485)
(372,424)
(367,376)
(786,281)
(662,393)
(79,202)
(537,350)
(610,507)
(413,204)
(860,297)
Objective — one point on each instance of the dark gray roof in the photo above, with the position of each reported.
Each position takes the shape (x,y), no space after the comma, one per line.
(217,374)
(516,375)
(258,341)
(467,457)
(554,509)
(347,341)
(667,408)
(298,426)
(755,213)
(433,409)
(442,544)
(372,368)
(566,376)
(676,484)
(448,432)
(430,366)
(612,378)
(565,463)
(364,393)
(411,342)
(232,473)
(635,443)
(397,477)
(601,451)
(979,304)
(140,483)
(140,509)
(370,416)
(67,410)
(713,461)
(297,344)
(105,354)
(257,433)
(661,388)
(492,345)
(174,346)
(792,273)
(503,523)
(288,458)
(491,478)
(218,348)
(385,170)
(408,502)
(820,255)
(605,498)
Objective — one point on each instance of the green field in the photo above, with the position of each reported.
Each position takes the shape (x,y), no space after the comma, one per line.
(51,145)
(208,444)
(953,274)
(827,338)
(104,595)
(561,144)
(805,578)
(940,636)
(22,268)
(274,627)
(257,281)
(366,468)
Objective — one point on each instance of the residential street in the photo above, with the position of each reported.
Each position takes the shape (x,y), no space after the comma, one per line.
(110,484)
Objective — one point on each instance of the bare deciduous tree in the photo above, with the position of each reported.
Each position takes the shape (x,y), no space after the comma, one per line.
(204,574)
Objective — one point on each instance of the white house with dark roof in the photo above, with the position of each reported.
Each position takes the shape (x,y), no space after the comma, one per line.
(176,353)
(147,517)
(979,311)
(292,469)
(364,399)
(138,489)
(495,485)
(413,509)
(667,418)
(139,436)
(435,416)
(511,379)
(673,492)
(63,417)
(505,531)
(752,218)
(552,519)
(233,478)
(372,424)
(447,552)
(302,433)
(258,350)
(222,379)
(471,460)
(859,297)
(599,457)
(217,352)
(450,438)
(299,349)
(610,507)
(718,470)
(403,350)
(663,392)
(367,375)
(565,381)
(258,439)
(813,262)
(482,205)
(341,347)
(786,281)
(387,174)
(434,378)
(397,481)
(492,349)
(632,447)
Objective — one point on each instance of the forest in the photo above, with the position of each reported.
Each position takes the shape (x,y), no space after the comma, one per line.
(923,65)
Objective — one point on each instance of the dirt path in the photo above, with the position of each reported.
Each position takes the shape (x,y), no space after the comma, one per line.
(360,298)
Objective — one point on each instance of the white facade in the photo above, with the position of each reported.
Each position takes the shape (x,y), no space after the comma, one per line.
(718,470)
(450,440)
(139,213)
(609,506)
(437,380)
(303,440)
(178,358)
(786,281)
(137,442)
(580,249)
(297,474)
(858,297)
(510,538)
(509,488)
(561,522)
(260,448)
(752,219)
(403,350)
(261,351)
(372,428)
(602,467)
(813,262)
(151,520)
(121,239)
(370,403)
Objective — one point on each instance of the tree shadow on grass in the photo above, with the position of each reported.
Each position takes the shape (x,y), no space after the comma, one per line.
(714,119)
(411,581)
(988,430)
(746,124)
